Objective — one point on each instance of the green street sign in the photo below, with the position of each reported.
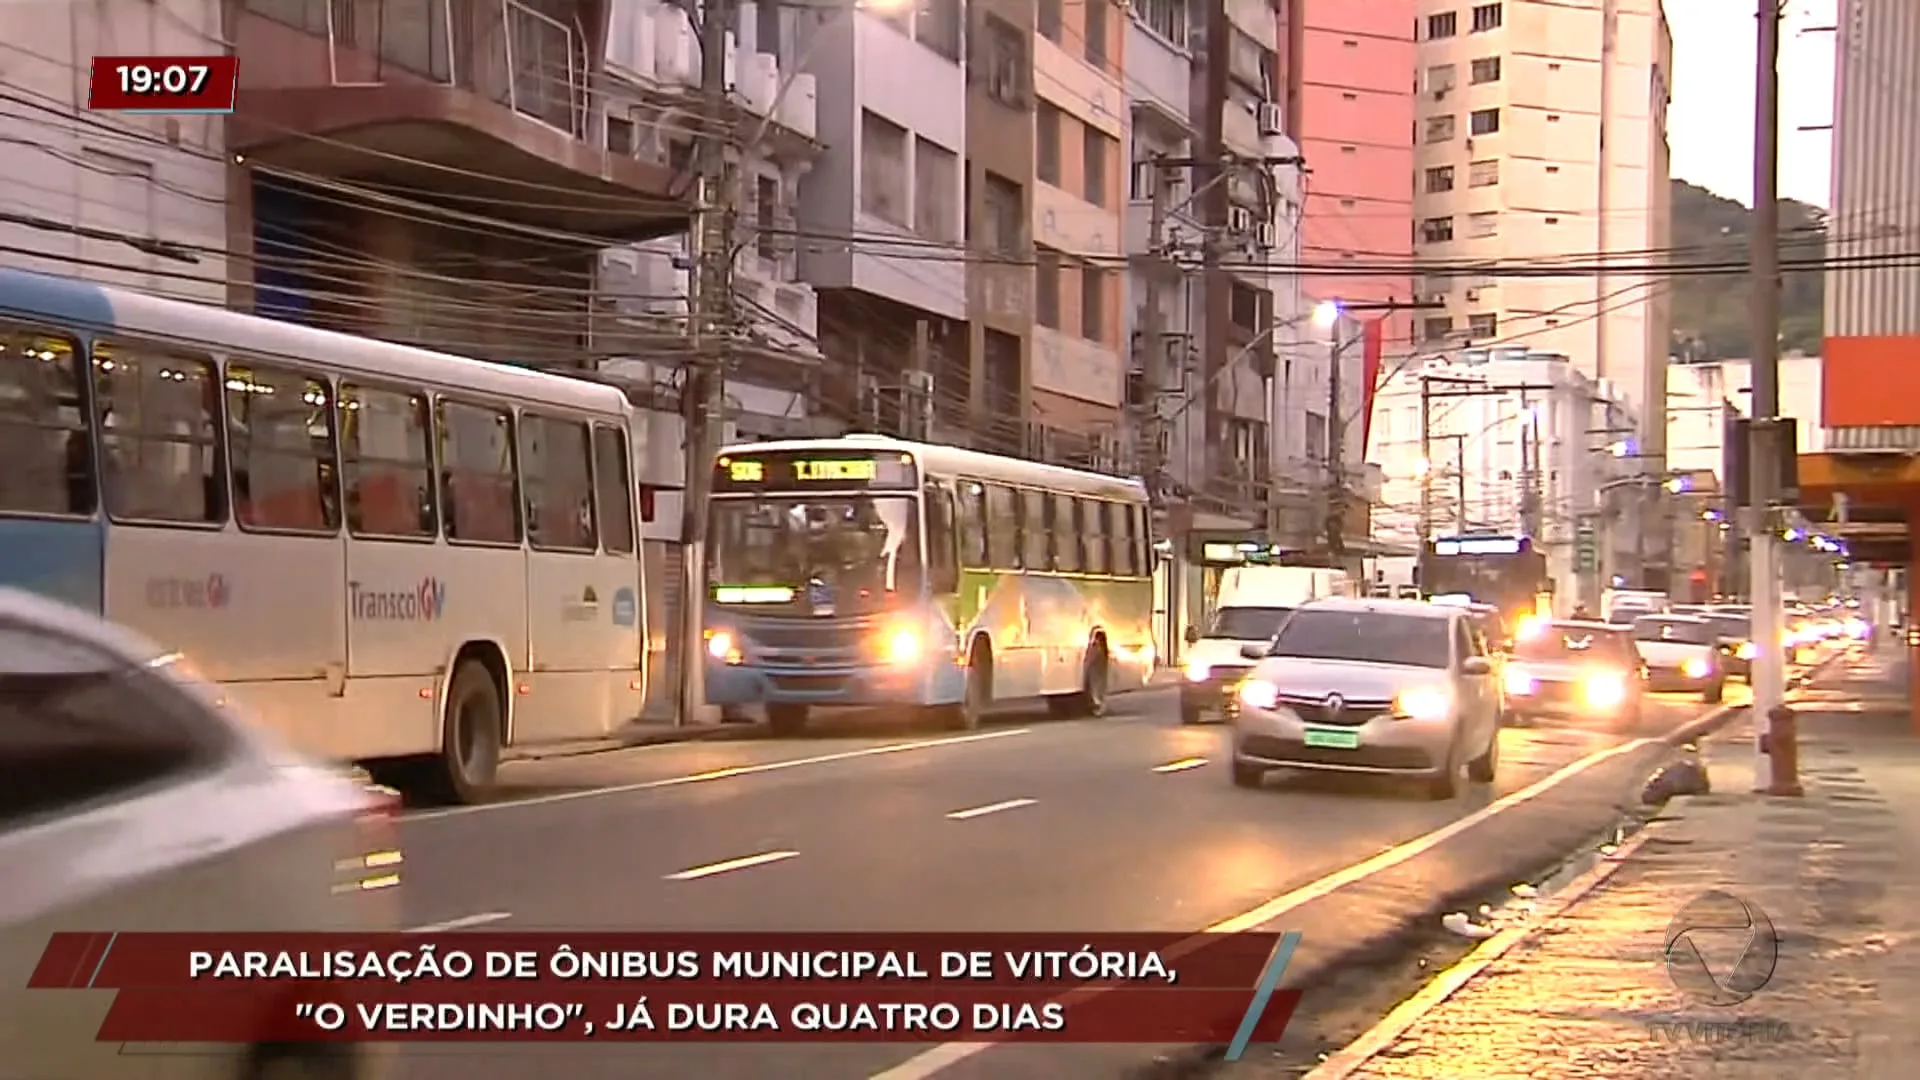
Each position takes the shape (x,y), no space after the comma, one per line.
(1586,547)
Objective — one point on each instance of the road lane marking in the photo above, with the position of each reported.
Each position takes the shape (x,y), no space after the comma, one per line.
(727,773)
(461,923)
(929,1062)
(1182,765)
(745,862)
(990,808)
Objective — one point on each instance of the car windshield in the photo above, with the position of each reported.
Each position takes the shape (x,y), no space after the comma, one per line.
(1371,636)
(1575,643)
(844,555)
(1247,623)
(1674,630)
(1736,627)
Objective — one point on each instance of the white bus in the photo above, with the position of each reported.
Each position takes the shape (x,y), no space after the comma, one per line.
(391,556)
(866,570)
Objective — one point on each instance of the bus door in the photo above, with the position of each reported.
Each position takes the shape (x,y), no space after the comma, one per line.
(622,568)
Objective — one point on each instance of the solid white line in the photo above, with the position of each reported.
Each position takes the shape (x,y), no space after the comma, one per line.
(742,863)
(932,1061)
(461,923)
(1180,766)
(990,808)
(723,774)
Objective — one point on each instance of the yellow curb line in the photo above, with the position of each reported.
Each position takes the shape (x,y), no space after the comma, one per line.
(1351,1058)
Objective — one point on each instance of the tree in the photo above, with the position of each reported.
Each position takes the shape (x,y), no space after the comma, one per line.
(1710,310)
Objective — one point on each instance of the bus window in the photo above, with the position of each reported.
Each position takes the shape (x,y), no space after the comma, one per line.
(44,434)
(943,567)
(386,461)
(556,483)
(1093,535)
(1066,534)
(972,525)
(1036,546)
(160,435)
(1119,539)
(1003,528)
(477,473)
(614,490)
(280,445)
(1142,528)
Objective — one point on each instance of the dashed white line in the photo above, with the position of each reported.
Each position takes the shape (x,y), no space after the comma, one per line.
(990,808)
(461,923)
(1182,765)
(743,863)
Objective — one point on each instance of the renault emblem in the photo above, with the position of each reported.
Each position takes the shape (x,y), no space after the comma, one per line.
(1336,704)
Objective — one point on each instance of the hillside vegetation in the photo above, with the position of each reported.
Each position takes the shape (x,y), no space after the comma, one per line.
(1710,311)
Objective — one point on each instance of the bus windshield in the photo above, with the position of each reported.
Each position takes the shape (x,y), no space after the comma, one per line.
(835,555)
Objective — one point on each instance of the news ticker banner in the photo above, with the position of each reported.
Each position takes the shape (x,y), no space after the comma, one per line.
(163,84)
(681,987)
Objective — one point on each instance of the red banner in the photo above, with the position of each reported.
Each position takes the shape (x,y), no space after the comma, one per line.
(1146,988)
(1371,342)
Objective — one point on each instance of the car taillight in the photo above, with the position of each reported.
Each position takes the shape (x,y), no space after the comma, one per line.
(375,861)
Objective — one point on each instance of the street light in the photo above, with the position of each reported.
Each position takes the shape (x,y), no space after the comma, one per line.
(1326,314)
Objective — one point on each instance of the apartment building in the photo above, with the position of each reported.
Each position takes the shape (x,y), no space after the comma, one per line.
(89,179)
(1542,134)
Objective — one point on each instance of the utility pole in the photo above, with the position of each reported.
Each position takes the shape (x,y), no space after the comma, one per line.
(917,398)
(703,389)
(1426,455)
(1775,764)
(1336,453)
(1148,425)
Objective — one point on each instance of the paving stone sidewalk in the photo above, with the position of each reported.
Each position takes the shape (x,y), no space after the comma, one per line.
(1836,873)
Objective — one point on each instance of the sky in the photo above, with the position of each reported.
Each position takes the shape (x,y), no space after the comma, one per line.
(1713,61)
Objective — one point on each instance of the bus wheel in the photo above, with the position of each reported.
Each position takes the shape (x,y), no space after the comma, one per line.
(974,695)
(470,734)
(786,720)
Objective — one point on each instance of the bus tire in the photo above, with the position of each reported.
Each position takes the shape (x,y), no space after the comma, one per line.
(976,693)
(786,719)
(470,731)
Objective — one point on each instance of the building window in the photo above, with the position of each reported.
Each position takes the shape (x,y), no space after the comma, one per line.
(766,208)
(1441,78)
(1483,225)
(1484,326)
(1046,288)
(883,169)
(1485,70)
(1435,328)
(1005,215)
(936,172)
(1046,144)
(1437,230)
(1485,173)
(1046,19)
(1443,25)
(1484,121)
(1093,303)
(1004,63)
(1439,179)
(1553,220)
(1096,32)
(1486,17)
(937,26)
(1167,18)
(1440,128)
(1098,151)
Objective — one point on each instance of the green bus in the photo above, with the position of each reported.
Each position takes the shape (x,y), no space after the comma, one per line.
(866,570)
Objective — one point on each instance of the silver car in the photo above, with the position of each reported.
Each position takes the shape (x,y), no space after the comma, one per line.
(1392,687)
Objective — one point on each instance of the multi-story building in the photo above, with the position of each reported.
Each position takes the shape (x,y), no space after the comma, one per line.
(1701,398)
(1542,134)
(98,195)
(882,210)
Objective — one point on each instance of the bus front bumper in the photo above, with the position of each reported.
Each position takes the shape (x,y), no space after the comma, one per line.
(747,684)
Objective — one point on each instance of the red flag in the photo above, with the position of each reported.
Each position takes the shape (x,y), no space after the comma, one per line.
(1370,344)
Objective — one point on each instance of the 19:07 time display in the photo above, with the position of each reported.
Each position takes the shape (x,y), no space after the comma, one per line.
(164,83)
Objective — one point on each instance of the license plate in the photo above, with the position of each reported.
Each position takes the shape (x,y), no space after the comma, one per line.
(1333,738)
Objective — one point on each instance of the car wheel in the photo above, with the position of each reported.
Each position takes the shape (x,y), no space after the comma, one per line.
(1446,783)
(1248,775)
(1481,770)
(787,719)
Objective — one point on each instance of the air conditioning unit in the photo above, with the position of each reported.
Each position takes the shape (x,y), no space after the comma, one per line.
(1273,119)
(1239,219)
(1437,298)
(1267,236)
(1440,95)
(1473,295)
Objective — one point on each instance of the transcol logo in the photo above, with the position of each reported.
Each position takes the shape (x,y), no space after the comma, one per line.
(424,602)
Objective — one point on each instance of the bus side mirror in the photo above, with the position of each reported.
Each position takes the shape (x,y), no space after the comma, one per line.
(1193,635)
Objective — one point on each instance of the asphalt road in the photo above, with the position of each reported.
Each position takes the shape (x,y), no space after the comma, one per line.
(1125,823)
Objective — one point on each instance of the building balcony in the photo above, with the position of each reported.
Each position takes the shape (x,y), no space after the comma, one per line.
(486,103)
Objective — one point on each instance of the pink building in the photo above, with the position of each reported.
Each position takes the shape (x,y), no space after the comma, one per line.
(1356,125)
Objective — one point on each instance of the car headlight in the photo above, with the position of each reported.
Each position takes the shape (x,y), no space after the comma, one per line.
(1519,682)
(901,645)
(1424,703)
(1198,672)
(1746,651)
(721,646)
(1259,694)
(1856,628)
(1605,691)
(1695,669)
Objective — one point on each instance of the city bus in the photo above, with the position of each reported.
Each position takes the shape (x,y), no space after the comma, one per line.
(866,570)
(1505,571)
(390,556)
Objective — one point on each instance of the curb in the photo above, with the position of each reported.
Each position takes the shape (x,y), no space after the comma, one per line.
(1381,1036)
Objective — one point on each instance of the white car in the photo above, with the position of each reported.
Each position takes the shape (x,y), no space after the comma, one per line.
(1682,653)
(133,799)
(1394,687)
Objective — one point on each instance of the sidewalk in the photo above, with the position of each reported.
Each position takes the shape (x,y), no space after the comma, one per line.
(1591,992)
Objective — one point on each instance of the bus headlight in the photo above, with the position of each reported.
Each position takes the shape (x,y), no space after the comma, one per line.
(720,646)
(1259,694)
(902,645)
(1430,703)
(1695,669)
(1746,651)
(1605,691)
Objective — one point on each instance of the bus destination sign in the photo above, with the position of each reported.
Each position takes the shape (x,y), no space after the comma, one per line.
(804,470)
